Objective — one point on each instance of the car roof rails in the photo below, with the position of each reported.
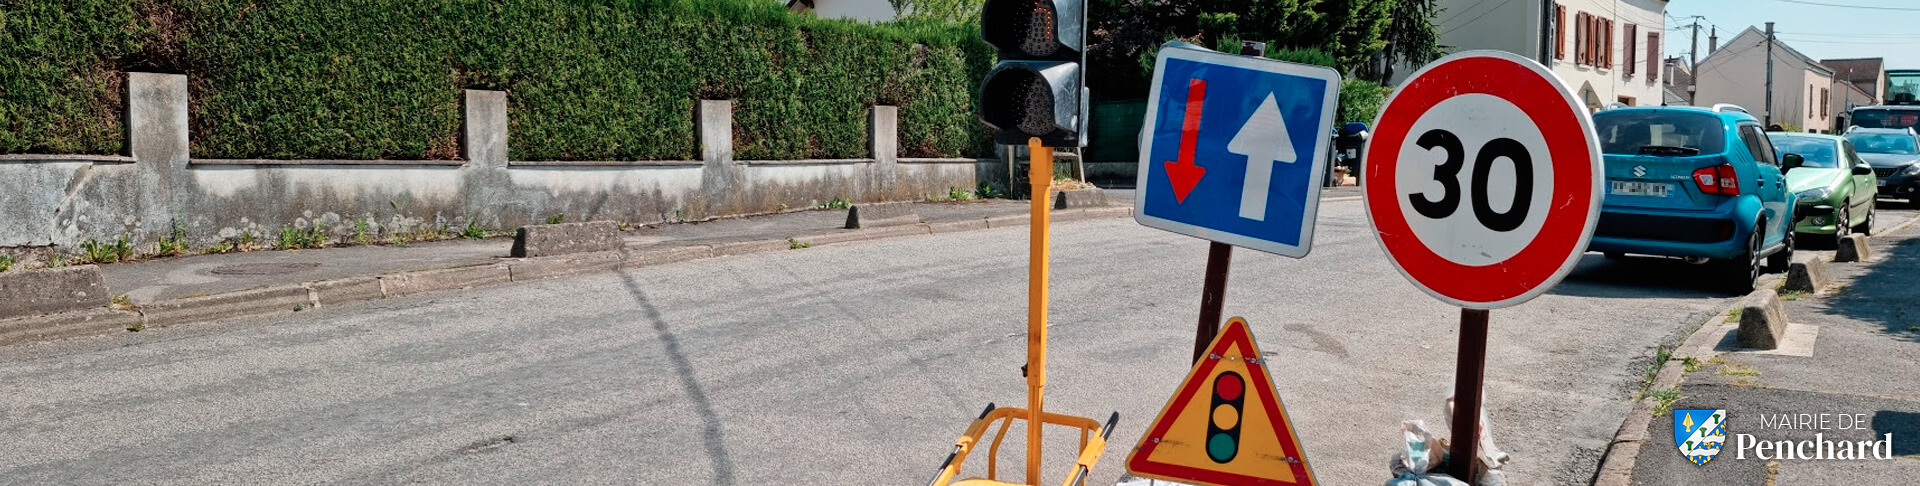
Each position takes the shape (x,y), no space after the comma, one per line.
(1725,107)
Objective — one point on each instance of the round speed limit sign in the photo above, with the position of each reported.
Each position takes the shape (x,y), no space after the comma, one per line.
(1483,179)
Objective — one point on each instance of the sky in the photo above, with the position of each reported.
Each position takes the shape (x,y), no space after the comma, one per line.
(1821,29)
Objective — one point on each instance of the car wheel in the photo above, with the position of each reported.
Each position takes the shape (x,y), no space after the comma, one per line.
(1866,227)
(1739,273)
(1778,261)
(1842,226)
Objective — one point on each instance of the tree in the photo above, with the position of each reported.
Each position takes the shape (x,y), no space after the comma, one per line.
(1412,37)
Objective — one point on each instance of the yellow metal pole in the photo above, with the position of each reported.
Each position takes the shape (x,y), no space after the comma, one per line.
(1040,175)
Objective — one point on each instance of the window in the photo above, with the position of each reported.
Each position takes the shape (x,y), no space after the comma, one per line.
(1653,57)
(1757,144)
(1630,132)
(1626,68)
(1817,152)
(1559,31)
(1825,104)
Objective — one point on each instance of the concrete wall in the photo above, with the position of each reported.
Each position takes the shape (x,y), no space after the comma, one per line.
(867,10)
(1503,26)
(65,200)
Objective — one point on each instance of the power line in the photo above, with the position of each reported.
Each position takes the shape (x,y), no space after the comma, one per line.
(1862,7)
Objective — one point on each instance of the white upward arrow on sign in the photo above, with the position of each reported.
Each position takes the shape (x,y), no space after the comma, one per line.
(1264,140)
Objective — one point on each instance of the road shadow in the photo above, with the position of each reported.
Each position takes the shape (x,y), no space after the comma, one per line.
(1900,424)
(1886,294)
(1633,277)
(712,438)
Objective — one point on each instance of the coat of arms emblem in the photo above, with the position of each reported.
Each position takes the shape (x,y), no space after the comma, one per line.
(1699,433)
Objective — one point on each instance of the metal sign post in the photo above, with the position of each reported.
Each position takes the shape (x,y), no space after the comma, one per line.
(1430,190)
(1040,176)
(1467,383)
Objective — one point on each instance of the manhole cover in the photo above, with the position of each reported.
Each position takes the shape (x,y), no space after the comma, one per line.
(264,268)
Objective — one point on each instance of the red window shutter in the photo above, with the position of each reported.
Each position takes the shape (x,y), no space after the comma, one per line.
(1586,42)
(1628,50)
(1606,46)
(1559,32)
(1653,56)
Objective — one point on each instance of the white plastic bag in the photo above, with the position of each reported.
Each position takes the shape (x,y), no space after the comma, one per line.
(1422,452)
(1491,457)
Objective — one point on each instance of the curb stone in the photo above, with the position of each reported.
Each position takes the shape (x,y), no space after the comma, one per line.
(72,324)
(287,298)
(231,304)
(408,283)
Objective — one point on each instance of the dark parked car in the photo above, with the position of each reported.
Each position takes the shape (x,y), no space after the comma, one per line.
(1894,154)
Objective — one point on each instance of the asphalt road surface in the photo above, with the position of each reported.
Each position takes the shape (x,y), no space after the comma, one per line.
(843,364)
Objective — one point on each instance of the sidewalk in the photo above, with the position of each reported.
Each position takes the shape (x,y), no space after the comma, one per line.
(1865,361)
(169,291)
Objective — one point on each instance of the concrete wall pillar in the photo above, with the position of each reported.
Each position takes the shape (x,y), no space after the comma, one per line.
(716,149)
(157,140)
(884,139)
(484,180)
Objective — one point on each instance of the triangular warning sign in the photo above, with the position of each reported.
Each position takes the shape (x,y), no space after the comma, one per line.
(1225,426)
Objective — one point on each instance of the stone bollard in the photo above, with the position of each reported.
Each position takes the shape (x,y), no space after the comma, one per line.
(559,239)
(1079,198)
(874,215)
(1807,273)
(1763,320)
(1854,248)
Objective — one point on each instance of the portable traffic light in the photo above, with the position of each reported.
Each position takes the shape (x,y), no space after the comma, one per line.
(1223,423)
(1038,88)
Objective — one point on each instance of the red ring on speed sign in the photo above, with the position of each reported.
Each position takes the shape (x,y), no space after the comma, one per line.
(1574,202)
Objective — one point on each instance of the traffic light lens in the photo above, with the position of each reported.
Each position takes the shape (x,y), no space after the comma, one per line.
(1039,110)
(1221,447)
(1228,387)
(1039,38)
(1225,416)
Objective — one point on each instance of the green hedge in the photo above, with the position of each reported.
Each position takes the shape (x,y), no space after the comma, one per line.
(60,87)
(609,79)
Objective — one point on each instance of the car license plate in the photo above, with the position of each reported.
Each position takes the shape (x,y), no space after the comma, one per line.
(1655,189)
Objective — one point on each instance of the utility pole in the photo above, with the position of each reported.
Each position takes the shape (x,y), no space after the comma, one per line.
(1693,53)
(1769,120)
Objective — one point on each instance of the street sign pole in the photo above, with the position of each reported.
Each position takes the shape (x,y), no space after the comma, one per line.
(1468,113)
(1040,175)
(1468,377)
(1213,296)
(1213,289)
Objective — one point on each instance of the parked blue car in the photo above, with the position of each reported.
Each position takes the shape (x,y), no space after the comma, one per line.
(1695,183)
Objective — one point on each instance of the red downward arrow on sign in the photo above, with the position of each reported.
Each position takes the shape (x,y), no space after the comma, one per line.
(1184,174)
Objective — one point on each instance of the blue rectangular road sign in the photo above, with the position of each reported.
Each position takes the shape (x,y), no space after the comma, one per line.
(1234,148)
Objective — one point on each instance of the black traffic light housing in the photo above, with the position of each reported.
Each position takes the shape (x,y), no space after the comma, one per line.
(1038,89)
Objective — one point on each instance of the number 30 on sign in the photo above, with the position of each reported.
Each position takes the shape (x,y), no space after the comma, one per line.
(1483,179)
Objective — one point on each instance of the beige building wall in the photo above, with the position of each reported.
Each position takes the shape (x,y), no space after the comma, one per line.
(1527,28)
(1737,74)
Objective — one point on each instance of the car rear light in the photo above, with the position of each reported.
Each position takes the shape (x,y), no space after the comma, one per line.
(1719,179)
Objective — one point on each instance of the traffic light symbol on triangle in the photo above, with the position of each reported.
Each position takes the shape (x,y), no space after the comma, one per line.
(1225,424)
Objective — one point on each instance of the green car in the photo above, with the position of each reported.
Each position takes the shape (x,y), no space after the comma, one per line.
(1833,189)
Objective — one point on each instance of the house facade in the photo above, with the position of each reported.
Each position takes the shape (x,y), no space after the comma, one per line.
(1867,75)
(1803,89)
(1607,51)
